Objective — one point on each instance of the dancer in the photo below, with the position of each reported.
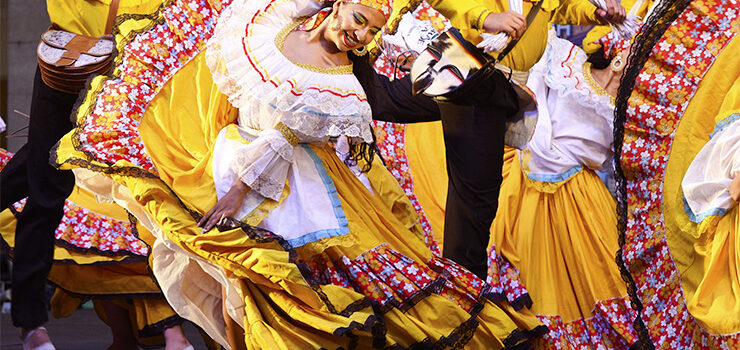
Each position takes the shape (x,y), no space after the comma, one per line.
(557,220)
(29,174)
(100,253)
(470,135)
(324,262)
(675,139)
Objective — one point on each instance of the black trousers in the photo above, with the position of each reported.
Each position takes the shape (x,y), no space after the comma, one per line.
(473,126)
(474,141)
(29,174)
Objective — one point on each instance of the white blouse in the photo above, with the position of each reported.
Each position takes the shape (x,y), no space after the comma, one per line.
(282,106)
(574,128)
(705,184)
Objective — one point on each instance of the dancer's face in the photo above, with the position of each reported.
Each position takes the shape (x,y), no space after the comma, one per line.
(353,26)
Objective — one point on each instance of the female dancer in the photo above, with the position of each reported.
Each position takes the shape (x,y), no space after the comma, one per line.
(557,220)
(320,257)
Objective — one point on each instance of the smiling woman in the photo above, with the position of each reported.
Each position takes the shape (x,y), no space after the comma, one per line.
(351,27)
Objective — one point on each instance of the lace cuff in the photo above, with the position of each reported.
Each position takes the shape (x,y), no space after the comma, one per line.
(264,163)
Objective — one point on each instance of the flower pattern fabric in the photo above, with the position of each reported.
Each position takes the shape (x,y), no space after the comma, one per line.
(662,93)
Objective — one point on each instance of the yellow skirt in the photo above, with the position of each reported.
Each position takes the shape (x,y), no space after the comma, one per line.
(715,293)
(97,271)
(562,237)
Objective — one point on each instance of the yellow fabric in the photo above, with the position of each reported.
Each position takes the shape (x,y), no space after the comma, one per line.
(143,313)
(563,243)
(589,42)
(468,15)
(88,17)
(200,106)
(281,309)
(105,279)
(425,150)
(86,199)
(384,6)
(531,46)
(706,255)
(386,188)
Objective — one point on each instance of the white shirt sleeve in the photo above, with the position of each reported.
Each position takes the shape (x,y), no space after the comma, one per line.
(705,185)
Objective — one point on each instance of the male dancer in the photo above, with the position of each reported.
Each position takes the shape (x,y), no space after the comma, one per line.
(473,126)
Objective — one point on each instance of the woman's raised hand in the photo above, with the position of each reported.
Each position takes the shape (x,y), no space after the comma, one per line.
(226,207)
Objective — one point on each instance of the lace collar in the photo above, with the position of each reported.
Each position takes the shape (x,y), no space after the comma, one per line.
(252,71)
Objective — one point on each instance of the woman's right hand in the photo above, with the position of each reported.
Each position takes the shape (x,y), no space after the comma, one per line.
(226,207)
(508,22)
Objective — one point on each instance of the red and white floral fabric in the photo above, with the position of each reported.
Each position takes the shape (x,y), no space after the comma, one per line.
(665,86)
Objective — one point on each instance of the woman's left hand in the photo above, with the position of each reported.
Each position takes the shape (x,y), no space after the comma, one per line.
(735,188)
(225,207)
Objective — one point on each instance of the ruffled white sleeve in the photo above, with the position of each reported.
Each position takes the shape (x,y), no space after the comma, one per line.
(263,164)
(280,102)
(705,185)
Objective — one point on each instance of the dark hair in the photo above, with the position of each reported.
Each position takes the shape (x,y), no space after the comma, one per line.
(364,151)
(652,30)
(598,59)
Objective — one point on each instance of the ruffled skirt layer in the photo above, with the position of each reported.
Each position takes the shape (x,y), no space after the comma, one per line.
(145,138)
(100,252)
(562,239)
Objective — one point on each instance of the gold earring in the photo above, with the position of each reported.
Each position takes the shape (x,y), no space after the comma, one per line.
(617,64)
(360,51)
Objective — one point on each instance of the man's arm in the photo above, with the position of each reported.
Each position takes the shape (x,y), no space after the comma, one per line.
(393,101)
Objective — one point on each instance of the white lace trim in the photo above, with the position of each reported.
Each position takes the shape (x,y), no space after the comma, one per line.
(263,184)
(264,163)
(282,147)
(268,88)
(568,78)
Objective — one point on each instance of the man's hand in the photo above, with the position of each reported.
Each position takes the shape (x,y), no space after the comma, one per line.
(735,188)
(614,13)
(508,22)
(226,207)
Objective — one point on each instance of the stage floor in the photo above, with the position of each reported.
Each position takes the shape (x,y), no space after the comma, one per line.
(81,331)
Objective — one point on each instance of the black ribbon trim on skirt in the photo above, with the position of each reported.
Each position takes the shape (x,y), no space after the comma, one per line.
(155,329)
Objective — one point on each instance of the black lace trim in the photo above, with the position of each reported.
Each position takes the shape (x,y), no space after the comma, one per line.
(652,30)
(155,329)
(457,339)
(519,303)
(130,257)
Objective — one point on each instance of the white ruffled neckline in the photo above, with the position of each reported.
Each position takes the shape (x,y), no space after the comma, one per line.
(565,74)
(257,77)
